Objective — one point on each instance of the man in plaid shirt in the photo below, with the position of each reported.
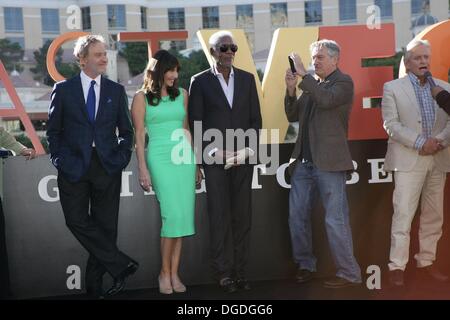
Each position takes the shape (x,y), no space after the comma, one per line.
(418,154)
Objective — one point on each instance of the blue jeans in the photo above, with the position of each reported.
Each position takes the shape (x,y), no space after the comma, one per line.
(306,181)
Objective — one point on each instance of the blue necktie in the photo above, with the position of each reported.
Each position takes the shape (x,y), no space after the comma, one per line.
(90,102)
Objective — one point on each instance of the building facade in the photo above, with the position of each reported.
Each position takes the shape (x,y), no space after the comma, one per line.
(32,22)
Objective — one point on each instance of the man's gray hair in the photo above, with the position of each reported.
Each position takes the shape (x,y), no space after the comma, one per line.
(215,37)
(82,45)
(413,44)
(333,48)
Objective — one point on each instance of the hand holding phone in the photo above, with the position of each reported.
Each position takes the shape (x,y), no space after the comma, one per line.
(291,63)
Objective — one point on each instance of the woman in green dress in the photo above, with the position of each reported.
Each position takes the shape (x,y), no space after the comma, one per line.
(160,108)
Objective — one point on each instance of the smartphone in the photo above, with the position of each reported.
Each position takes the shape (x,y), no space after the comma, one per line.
(291,63)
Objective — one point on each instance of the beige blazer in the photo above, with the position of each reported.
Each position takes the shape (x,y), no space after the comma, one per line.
(402,121)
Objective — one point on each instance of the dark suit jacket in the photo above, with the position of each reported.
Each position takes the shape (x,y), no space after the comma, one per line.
(328,124)
(208,104)
(70,133)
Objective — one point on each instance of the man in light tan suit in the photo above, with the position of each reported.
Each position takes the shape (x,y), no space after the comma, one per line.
(418,154)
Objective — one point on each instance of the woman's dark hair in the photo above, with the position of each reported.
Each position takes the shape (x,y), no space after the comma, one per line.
(154,77)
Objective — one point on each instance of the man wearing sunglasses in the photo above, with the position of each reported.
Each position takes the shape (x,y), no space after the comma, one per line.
(224,98)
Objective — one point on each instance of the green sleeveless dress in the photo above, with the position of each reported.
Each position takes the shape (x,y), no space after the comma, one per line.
(171,163)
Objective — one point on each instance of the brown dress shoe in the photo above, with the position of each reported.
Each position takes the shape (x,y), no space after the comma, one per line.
(432,272)
(396,278)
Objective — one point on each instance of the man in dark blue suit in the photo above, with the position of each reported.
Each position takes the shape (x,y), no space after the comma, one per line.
(90,140)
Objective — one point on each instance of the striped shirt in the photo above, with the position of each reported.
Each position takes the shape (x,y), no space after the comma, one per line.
(426,103)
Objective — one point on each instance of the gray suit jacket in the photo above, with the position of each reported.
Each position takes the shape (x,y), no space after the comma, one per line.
(328,125)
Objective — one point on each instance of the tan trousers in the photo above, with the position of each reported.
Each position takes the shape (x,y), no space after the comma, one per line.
(426,183)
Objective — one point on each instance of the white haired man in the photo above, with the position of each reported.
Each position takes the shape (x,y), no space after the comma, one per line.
(224,98)
(418,154)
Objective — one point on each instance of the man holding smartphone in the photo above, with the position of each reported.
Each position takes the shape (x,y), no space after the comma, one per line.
(321,162)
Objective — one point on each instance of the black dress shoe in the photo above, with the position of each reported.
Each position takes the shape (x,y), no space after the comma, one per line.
(338,282)
(303,275)
(228,285)
(119,282)
(243,284)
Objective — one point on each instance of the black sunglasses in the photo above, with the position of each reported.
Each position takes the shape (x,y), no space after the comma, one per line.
(224,47)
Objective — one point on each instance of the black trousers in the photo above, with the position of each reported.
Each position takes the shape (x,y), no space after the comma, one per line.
(5,290)
(229,209)
(91,209)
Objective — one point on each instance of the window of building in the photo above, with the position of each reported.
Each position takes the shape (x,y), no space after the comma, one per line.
(418,5)
(18,40)
(347,10)
(176,19)
(313,11)
(50,20)
(210,17)
(279,15)
(86,18)
(116,16)
(13,19)
(244,16)
(178,45)
(144,18)
(385,8)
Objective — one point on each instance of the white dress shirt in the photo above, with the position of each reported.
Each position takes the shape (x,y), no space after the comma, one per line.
(228,89)
(86,84)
